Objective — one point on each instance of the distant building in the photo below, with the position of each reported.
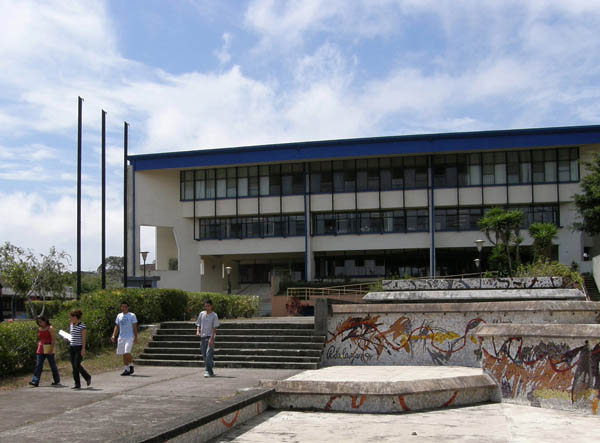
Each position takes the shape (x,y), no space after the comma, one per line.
(356,208)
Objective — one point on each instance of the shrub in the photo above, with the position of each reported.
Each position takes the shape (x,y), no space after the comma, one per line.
(98,330)
(149,305)
(18,342)
(226,306)
(571,278)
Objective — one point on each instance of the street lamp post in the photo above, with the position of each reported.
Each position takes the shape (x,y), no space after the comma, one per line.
(144,255)
(228,269)
(479,243)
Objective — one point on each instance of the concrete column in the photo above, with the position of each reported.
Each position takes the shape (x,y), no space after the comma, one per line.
(308,255)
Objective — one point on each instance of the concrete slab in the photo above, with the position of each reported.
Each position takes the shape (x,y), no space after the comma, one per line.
(382,389)
(381,380)
(490,423)
(119,408)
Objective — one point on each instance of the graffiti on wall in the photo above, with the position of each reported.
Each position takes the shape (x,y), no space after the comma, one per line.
(545,371)
(362,339)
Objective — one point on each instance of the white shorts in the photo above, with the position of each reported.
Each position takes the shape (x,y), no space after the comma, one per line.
(124,346)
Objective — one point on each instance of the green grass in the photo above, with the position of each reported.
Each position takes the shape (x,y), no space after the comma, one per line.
(103,361)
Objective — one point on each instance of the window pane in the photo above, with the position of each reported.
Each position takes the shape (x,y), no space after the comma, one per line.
(200,189)
(525,163)
(242,187)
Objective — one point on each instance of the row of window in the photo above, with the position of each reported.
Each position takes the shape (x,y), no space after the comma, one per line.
(250,227)
(466,219)
(400,263)
(363,222)
(512,167)
(382,174)
(372,222)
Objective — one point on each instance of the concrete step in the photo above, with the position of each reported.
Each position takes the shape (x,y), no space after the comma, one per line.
(236,331)
(244,338)
(230,351)
(228,364)
(223,358)
(266,358)
(383,389)
(590,288)
(293,323)
(239,345)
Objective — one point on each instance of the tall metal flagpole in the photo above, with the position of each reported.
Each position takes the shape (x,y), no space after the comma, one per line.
(125,127)
(79,114)
(103,199)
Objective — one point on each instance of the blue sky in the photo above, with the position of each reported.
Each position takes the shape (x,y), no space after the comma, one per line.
(194,74)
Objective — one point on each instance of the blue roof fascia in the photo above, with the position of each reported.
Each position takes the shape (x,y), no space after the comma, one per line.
(368,147)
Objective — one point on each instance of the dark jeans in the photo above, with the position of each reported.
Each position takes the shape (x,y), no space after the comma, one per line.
(76,365)
(40,365)
(207,354)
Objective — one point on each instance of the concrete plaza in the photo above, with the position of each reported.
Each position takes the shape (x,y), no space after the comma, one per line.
(156,400)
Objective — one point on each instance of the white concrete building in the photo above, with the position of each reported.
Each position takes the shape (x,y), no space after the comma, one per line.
(357,208)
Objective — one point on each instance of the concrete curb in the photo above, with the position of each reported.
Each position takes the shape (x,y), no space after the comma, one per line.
(189,423)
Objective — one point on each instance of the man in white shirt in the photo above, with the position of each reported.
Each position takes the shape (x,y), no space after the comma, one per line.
(206,328)
(126,330)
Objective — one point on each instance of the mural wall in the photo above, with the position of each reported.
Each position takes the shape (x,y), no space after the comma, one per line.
(421,338)
(549,373)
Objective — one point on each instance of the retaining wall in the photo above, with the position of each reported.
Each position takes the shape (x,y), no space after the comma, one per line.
(430,334)
(549,366)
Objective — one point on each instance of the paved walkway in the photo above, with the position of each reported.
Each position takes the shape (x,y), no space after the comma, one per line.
(116,408)
(489,423)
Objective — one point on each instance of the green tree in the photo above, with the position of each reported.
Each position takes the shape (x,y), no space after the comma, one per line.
(114,271)
(502,229)
(588,202)
(31,275)
(543,235)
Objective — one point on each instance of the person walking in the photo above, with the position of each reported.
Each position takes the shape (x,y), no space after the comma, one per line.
(127,333)
(45,350)
(77,348)
(206,328)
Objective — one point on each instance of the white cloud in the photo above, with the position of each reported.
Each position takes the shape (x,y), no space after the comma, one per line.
(38,223)
(223,53)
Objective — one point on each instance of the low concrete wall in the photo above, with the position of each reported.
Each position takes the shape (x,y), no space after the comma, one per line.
(431,334)
(440,284)
(462,295)
(549,366)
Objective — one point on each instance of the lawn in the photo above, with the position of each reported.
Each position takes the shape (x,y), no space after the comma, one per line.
(103,361)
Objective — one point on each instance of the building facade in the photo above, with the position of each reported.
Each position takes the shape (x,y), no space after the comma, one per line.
(352,209)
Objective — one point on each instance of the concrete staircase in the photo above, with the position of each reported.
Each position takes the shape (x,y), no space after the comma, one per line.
(590,288)
(239,344)
(263,292)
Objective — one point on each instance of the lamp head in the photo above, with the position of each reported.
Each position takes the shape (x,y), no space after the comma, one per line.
(479,244)
(228,269)
(144,255)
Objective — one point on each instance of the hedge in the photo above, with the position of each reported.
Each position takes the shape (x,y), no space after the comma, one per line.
(18,340)
(226,306)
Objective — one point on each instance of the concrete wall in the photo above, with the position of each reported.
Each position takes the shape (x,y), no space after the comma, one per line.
(157,204)
(166,247)
(432,334)
(549,366)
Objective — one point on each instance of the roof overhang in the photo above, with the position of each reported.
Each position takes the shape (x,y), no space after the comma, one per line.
(370,147)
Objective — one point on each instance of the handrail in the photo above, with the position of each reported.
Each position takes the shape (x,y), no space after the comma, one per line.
(353,291)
